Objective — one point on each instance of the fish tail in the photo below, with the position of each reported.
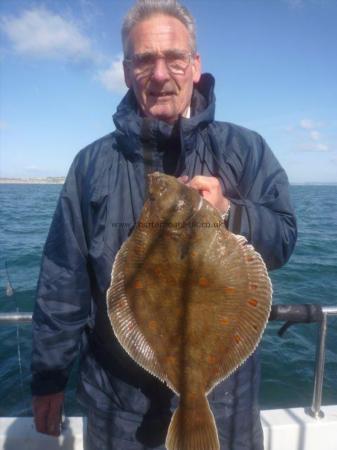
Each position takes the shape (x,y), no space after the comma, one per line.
(193,428)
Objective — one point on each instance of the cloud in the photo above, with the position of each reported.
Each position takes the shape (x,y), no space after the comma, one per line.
(300,4)
(308,138)
(314,147)
(113,77)
(314,135)
(309,124)
(41,33)
(33,168)
(295,3)
(306,124)
(3,125)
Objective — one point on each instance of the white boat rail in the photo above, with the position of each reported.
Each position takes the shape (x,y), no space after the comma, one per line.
(290,314)
(302,427)
(13,318)
(315,410)
(308,313)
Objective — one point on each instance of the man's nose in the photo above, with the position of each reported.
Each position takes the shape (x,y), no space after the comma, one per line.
(160,71)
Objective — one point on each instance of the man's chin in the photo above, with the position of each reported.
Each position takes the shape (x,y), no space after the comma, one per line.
(164,114)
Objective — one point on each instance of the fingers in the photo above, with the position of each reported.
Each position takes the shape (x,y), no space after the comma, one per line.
(47,411)
(203,183)
(40,411)
(183,179)
(54,416)
(210,189)
(200,182)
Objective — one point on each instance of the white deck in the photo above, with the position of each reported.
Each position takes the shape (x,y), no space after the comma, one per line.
(284,429)
(292,429)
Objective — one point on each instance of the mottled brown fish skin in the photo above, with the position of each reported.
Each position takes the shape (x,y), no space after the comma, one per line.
(189,301)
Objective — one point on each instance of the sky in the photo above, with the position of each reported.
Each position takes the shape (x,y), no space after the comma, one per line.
(61,79)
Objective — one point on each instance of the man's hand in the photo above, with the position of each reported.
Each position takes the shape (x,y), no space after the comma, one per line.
(210,189)
(47,410)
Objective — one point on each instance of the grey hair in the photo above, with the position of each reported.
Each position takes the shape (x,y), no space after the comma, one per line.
(144,9)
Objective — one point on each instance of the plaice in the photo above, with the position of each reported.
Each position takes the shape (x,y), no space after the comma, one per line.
(188,301)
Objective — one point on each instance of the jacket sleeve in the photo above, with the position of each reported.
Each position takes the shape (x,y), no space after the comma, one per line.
(63,295)
(262,210)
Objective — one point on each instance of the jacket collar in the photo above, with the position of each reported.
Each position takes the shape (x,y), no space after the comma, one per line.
(132,128)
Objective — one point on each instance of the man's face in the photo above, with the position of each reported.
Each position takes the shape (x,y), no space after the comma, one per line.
(159,92)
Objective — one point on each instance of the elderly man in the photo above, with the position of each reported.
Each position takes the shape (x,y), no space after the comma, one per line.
(166,123)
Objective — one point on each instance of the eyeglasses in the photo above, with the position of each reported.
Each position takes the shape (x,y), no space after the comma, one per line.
(144,63)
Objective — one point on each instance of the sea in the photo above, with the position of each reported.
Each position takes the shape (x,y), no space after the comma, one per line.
(287,362)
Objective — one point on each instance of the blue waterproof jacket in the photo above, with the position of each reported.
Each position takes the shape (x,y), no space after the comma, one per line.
(99,204)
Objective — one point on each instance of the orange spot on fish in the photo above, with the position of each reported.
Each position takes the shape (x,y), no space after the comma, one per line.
(250,258)
(153,326)
(229,290)
(157,270)
(203,282)
(253,286)
(199,419)
(192,396)
(193,253)
(171,360)
(224,321)
(211,359)
(237,338)
(137,284)
(169,279)
(252,302)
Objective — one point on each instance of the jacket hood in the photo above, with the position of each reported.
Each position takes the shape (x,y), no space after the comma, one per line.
(132,127)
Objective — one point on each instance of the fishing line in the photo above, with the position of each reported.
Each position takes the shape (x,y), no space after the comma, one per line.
(10,293)
(19,355)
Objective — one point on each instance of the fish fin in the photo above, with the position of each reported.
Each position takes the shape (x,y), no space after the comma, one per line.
(193,429)
(254,310)
(123,321)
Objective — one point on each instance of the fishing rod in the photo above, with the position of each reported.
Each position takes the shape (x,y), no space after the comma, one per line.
(9,286)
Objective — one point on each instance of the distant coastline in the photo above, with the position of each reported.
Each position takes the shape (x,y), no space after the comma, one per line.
(33,180)
(60,180)
(314,183)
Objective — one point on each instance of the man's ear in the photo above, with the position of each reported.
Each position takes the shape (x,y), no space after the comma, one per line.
(196,68)
(127,74)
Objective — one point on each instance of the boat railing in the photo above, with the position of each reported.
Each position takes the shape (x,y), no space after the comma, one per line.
(308,313)
(10,318)
(289,314)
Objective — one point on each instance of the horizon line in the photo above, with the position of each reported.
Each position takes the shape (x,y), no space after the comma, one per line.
(26,179)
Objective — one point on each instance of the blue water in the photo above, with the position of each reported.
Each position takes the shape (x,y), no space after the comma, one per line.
(287,363)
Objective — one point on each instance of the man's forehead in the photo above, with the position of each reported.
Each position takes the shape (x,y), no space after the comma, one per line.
(158,33)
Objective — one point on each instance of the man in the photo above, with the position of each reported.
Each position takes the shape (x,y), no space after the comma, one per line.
(165,122)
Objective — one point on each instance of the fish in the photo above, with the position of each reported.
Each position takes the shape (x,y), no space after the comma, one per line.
(188,301)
